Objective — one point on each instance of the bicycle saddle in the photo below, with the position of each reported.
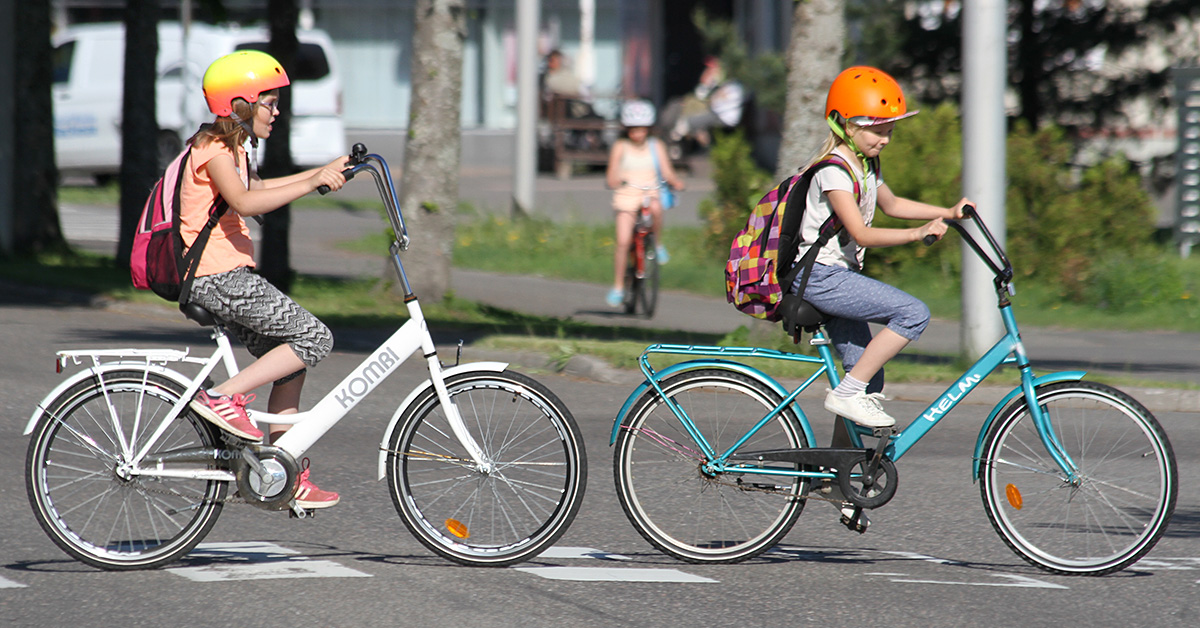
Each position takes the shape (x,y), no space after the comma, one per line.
(799,315)
(196,313)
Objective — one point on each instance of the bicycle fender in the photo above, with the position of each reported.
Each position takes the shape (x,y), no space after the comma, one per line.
(482,367)
(1049,378)
(693,365)
(94,371)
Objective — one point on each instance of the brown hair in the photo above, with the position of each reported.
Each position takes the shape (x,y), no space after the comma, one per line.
(228,130)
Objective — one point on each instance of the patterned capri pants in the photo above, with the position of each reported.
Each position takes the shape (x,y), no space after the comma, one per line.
(263,317)
(852,300)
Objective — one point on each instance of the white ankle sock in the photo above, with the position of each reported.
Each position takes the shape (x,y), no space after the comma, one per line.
(849,387)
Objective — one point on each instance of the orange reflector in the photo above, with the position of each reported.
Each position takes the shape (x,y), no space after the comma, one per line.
(1014,496)
(457,528)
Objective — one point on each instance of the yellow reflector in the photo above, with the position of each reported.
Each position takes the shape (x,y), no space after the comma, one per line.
(1014,496)
(457,528)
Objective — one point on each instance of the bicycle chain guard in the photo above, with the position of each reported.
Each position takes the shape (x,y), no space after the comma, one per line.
(266,476)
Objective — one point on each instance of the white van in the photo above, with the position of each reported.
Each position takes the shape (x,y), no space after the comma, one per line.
(88,83)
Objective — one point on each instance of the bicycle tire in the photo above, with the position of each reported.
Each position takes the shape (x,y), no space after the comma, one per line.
(648,286)
(89,510)
(496,518)
(1117,509)
(632,285)
(666,495)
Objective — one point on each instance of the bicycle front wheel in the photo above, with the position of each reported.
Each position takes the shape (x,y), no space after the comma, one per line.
(1114,510)
(648,286)
(495,516)
(682,509)
(82,498)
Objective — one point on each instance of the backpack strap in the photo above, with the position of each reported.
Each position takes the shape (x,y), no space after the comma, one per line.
(789,230)
(191,259)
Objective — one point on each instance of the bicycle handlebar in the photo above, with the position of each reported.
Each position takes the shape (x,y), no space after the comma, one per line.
(1000,266)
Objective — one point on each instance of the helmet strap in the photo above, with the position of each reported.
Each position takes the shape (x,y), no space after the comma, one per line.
(837,126)
(246,127)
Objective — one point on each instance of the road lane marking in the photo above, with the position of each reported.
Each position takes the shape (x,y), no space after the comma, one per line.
(613,574)
(5,583)
(253,560)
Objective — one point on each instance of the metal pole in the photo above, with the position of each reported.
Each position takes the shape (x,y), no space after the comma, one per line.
(984,78)
(525,169)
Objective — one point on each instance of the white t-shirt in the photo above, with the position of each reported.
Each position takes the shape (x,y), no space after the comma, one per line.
(842,250)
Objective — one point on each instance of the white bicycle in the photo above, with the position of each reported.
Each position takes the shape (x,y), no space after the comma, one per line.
(485,465)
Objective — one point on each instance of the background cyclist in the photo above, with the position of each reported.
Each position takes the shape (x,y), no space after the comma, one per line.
(638,159)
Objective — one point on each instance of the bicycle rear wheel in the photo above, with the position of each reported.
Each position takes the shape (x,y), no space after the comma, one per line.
(503,515)
(668,497)
(83,501)
(1117,508)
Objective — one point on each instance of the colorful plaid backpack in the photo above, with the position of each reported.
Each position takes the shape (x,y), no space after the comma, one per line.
(158,261)
(760,258)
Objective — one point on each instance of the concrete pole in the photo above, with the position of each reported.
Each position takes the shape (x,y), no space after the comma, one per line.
(586,63)
(984,79)
(525,168)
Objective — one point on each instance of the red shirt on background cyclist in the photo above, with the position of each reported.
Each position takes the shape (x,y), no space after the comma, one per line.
(862,108)
(636,161)
(242,89)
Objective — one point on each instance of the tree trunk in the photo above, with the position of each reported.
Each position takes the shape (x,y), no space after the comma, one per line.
(429,184)
(814,58)
(139,121)
(35,225)
(274,260)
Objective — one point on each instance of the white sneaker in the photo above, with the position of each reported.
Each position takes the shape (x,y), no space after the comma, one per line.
(862,408)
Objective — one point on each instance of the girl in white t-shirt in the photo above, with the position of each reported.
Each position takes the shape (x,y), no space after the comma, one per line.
(862,108)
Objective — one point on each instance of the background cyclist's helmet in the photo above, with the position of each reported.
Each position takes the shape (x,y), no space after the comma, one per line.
(637,113)
(243,74)
(865,96)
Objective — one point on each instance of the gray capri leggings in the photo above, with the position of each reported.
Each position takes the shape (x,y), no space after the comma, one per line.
(852,300)
(262,317)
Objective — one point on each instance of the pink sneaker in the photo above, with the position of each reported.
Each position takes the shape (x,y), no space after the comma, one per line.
(309,496)
(227,413)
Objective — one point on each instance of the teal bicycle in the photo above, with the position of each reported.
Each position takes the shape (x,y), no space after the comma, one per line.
(714,460)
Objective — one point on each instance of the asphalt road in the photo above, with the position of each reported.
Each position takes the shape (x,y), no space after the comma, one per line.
(930,558)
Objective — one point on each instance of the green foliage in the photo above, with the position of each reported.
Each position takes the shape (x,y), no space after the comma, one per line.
(1062,223)
(923,162)
(738,184)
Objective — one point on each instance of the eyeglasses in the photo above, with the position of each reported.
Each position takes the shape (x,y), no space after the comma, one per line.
(271,104)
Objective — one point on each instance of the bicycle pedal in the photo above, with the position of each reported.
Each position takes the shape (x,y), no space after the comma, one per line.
(296,512)
(884,432)
(857,522)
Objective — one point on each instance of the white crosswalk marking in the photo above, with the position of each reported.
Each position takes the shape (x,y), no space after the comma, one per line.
(5,583)
(604,574)
(257,561)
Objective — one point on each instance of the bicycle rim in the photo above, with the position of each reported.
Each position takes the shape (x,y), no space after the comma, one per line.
(1116,509)
(82,503)
(668,498)
(509,513)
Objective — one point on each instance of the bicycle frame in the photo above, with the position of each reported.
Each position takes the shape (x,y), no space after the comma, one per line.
(1007,350)
(308,426)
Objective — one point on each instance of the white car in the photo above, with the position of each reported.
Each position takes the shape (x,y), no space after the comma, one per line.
(88,83)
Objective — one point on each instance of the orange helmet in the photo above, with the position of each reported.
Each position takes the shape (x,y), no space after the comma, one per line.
(866,96)
(242,74)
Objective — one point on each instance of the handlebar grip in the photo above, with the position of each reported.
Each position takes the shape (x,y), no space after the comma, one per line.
(929,240)
(348,173)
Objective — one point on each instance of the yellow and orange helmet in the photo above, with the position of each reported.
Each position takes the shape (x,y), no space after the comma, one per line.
(865,96)
(242,74)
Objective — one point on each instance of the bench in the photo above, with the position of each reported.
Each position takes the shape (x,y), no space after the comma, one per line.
(574,140)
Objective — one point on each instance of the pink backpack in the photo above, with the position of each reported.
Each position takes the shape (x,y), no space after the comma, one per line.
(159,262)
